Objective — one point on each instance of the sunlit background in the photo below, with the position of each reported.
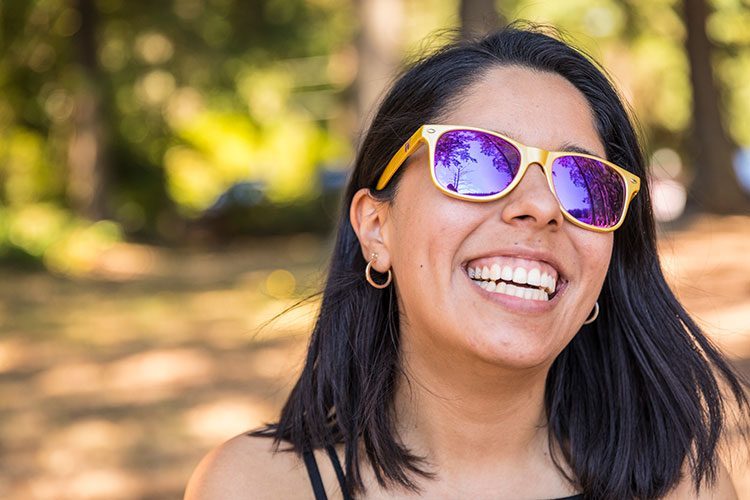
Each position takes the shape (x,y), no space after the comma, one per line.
(170,173)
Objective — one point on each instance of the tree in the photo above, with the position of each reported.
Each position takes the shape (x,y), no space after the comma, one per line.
(379,52)
(715,187)
(144,113)
(88,159)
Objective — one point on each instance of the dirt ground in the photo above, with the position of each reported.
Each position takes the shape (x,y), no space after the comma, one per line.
(115,385)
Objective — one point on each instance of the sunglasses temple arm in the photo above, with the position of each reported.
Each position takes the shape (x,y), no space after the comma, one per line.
(399,158)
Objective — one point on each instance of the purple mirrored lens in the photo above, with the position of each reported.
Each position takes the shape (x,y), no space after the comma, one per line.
(589,190)
(475,163)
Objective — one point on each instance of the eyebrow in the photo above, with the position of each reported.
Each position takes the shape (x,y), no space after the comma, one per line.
(572,148)
(566,147)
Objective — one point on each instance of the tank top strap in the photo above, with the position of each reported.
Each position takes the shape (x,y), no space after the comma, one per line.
(314,473)
(339,472)
(312,470)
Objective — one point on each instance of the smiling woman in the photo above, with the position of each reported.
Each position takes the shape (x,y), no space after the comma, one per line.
(495,322)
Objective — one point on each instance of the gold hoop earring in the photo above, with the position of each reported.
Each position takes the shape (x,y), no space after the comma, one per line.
(594,315)
(368,269)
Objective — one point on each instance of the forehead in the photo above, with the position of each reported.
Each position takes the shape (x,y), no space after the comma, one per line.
(537,108)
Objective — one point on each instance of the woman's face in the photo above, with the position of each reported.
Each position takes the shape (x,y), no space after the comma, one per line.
(433,240)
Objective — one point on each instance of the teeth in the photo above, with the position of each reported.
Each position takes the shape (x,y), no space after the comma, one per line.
(495,272)
(534,277)
(513,290)
(550,284)
(507,274)
(519,275)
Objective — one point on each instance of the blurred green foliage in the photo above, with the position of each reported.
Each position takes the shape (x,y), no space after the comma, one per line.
(196,96)
(199,95)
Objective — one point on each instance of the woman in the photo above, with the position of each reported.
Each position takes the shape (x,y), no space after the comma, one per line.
(495,323)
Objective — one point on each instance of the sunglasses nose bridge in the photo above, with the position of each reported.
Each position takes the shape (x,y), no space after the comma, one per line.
(536,156)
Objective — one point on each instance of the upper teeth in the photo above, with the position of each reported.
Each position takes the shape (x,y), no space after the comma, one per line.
(518,275)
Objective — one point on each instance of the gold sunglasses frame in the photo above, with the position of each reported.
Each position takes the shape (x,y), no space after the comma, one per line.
(430,133)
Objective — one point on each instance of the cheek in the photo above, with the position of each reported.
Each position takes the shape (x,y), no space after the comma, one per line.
(428,227)
(429,234)
(595,251)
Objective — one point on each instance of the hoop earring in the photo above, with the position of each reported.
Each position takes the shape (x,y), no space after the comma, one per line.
(594,315)
(368,269)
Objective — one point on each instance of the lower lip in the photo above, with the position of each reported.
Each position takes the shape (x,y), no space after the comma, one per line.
(517,304)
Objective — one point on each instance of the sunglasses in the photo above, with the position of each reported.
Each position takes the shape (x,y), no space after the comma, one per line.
(479,165)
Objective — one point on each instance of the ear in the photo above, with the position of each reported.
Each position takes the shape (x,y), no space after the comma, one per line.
(368,217)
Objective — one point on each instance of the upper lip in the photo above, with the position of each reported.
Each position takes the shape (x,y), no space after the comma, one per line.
(525,253)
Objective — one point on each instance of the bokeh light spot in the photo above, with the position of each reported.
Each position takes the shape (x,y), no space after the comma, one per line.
(154,48)
(280,284)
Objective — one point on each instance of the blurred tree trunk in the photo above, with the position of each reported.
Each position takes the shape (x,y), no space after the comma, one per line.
(379,46)
(88,165)
(715,187)
(479,17)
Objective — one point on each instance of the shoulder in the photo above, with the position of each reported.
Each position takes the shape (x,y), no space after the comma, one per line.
(248,466)
(723,489)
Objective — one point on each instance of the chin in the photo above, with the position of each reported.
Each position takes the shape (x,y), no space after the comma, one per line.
(521,350)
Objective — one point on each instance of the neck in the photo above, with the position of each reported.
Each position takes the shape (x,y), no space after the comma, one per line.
(469,414)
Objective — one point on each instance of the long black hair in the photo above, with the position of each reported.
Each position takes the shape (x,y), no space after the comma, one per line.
(630,401)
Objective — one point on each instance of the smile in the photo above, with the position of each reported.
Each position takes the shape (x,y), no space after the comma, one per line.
(522,278)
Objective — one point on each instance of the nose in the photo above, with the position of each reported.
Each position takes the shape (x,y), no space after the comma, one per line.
(532,202)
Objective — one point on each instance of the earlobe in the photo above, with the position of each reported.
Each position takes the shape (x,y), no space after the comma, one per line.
(368,217)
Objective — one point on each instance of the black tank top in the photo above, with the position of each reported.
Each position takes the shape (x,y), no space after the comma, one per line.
(317,482)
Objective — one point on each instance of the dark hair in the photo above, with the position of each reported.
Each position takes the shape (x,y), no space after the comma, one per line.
(633,398)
